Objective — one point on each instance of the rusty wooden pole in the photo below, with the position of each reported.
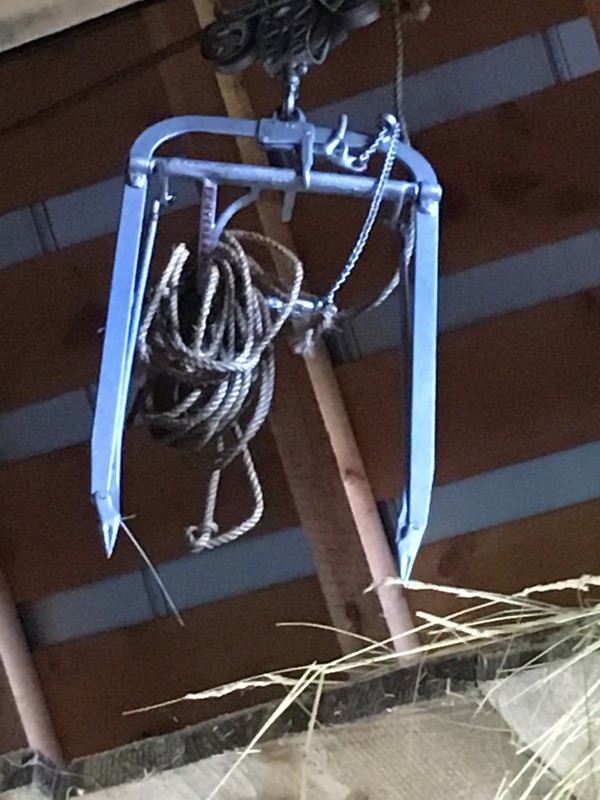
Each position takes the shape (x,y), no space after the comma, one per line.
(24,681)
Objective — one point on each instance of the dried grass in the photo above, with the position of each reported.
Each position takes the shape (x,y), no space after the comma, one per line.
(493,620)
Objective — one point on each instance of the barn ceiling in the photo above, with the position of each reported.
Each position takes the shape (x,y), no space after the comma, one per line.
(23,21)
(505,107)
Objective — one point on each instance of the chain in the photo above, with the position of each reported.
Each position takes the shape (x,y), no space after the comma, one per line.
(374,207)
(396,130)
(367,154)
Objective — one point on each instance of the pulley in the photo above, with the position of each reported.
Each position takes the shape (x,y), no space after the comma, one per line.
(283,35)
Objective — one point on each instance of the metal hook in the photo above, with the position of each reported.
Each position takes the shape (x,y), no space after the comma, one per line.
(247,199)
(289,108)
(338,151)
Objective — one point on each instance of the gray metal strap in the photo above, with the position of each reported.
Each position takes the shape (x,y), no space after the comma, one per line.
(420,348)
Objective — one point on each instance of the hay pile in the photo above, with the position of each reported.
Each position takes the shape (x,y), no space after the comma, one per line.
(529,732)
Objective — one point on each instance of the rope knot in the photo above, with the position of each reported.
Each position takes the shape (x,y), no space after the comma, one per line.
(201,538)
(310,329)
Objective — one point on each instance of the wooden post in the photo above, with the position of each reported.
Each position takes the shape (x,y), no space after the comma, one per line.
(24,682)
(314,436)
(592,9)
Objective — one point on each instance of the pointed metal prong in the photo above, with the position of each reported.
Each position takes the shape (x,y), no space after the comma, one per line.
(110,520)
(409,542)
(110,532)
(405,562)
(287,208)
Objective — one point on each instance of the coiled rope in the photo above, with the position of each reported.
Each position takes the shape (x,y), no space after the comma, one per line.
(206,345)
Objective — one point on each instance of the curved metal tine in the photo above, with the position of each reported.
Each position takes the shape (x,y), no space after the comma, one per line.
(251,196)
(130,274)
(420,346)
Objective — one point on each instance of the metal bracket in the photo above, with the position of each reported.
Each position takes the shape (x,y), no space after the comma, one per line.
(290,143)
(290,135)
(145,194)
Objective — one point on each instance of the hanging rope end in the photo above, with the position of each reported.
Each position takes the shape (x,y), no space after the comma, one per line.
(200,538)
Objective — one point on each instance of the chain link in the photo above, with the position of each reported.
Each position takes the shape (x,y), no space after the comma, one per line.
(394,129)
(371,149)
(393,133)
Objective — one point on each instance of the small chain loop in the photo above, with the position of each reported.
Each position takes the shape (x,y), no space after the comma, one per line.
(391,131)
(394,128)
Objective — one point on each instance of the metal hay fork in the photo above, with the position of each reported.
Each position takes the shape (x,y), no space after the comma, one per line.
(145,194)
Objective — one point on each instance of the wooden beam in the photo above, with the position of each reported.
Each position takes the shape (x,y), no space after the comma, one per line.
(334,500)
(24,682)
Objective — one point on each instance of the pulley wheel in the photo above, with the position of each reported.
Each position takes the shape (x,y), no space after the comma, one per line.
(230,44)
(319,38)
(359,13)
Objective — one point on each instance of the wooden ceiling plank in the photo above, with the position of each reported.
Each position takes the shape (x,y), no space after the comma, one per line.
(506,559)
(53,343)
(78,102)
(525,383)
(53,544)
(57,70)
(100,677)
(77,144)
